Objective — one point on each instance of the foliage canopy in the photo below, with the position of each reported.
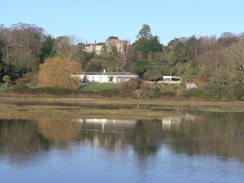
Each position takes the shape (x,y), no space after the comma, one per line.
(7,79)
(58,72)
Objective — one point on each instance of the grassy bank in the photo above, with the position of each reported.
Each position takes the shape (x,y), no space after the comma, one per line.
(100,86)
(131,89)
(11,111)
(83,108)
(238,105)
(3,87)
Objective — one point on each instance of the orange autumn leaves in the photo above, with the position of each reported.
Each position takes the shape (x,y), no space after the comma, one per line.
(59,72)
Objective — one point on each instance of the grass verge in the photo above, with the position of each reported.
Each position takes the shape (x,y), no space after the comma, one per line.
(100,86)
(3,87)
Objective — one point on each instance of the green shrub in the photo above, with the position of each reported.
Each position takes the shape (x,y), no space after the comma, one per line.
(153,75)
(20,88)
(239,90)
(195,92)
(7,80)
(87,93)
(109,92)
(127,88)
(224,84)
(141,67)
(169,94)
(54,91)
(149,91)
(27,79)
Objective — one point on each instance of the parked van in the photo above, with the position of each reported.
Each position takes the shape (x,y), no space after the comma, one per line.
(171,80)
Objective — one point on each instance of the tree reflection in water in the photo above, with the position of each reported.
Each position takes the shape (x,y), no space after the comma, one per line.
(197,133)
(20,141)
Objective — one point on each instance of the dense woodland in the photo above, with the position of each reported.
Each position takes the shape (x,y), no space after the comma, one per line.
(219,61)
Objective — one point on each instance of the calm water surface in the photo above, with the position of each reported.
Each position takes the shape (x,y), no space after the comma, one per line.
(198,147)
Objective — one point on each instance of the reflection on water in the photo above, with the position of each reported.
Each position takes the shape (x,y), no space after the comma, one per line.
(212,141)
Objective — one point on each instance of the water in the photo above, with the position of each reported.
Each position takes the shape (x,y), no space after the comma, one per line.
(198,147)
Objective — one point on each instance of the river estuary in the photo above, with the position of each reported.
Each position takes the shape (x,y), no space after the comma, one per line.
(198,146)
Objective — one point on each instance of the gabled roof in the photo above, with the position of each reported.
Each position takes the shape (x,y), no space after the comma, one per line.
(108,73)
(100,44)
(88,45)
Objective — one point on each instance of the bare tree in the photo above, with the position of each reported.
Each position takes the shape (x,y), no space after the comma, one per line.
(67,46)
(124,54)
(236,51)
(226,39)
(241,36)
(22,45)
(206,43)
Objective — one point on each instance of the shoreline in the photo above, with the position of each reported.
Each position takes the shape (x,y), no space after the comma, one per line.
(118,101)
(107,108)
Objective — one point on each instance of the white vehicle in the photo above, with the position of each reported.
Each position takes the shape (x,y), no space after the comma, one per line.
(171,80)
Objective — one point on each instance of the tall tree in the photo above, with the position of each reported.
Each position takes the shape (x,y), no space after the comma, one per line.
(192,47)
(145,32)
(47,49)
(2,72)
(85,57)
(177,51)
(148,46)
(158,62)
(154,44)
(142,45)
(146,43)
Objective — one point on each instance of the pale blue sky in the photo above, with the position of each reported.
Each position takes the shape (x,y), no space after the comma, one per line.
(98,19)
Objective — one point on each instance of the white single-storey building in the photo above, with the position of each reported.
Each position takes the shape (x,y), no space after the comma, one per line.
(106,77)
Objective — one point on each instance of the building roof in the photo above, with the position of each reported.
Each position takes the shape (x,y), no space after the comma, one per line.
(108,73)
(113,37)
(88,45)
(100,44)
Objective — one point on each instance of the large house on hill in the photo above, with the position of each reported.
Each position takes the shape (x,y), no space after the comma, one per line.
(96,47)
(106,77)
(110,42)
(115,41)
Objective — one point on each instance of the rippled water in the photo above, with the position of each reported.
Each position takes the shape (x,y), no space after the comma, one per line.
(198,147)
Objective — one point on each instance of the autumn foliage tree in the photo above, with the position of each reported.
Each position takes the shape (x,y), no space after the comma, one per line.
(59,72)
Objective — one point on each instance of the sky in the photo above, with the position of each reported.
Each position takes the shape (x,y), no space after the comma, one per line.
(92,20)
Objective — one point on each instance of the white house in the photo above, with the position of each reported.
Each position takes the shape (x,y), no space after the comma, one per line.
(106,77)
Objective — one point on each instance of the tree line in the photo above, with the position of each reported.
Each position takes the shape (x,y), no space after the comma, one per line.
(218,60)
